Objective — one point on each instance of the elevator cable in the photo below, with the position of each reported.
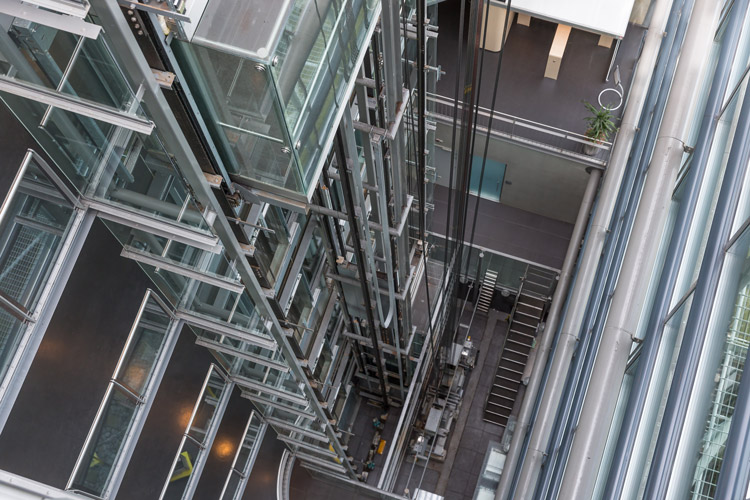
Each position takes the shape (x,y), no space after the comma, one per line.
(489,127)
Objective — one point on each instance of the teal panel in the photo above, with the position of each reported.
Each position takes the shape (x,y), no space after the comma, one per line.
(492,182)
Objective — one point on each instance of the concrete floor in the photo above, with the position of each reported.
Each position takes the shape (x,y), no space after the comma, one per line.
(457,476)
(535,238)
(522,90)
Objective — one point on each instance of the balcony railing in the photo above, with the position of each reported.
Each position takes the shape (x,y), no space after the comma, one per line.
(526,132)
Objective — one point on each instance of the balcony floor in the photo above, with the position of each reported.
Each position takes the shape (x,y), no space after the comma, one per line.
(523,91)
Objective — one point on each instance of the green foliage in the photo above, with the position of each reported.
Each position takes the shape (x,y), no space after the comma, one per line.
(600,124)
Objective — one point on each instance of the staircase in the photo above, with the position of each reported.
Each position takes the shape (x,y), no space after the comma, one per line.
(487,291)
(534,293)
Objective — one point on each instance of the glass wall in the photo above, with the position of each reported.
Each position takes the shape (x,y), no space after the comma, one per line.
(35,220)
(122,411)
(270,112)
(733,310)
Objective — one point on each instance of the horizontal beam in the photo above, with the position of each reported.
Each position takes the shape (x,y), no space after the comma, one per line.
(253,358)
(68,7)
(71,24)
(256,386)
(165,263)
(223,328)
(164,228)
(74,104)
(257,398)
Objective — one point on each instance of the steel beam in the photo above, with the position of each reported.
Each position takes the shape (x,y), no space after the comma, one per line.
(69,23)
(83,107)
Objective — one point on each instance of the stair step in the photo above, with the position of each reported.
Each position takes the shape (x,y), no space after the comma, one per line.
(497,406)
(527,345)
(521,334)
(513,361)
(528,309)
(507,380)
(504,392)
(511,370)
(524,316)
(521,322)
(531,299)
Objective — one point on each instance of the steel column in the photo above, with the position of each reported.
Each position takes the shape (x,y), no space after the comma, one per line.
(700,312)
(640,257)
(643,96)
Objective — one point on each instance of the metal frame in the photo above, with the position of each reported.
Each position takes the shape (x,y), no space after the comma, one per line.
(213,427)
(71,8)
(72,24)
(160,227)
(242,355)
(83,107)
(226,329)
(247,469)
(32,337)
(144,402)
(161,262)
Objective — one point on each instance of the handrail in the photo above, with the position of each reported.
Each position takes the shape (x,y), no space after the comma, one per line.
(448,108)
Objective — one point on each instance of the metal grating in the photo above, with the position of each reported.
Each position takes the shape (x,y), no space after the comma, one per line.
(724,398)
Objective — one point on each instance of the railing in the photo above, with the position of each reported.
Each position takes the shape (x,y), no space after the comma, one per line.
(529,133)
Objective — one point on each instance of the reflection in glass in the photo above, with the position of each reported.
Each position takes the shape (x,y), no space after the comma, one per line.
(34,222)
(104,448)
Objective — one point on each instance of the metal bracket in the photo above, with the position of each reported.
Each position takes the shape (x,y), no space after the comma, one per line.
(165,79)
(70,24)
(156,8)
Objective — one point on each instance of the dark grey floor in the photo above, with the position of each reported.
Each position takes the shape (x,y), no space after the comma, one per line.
(509,230)
(262,482)
(523,91)
(456,477)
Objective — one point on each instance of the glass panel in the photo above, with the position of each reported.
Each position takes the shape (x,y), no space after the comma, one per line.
(56,60)
(733,309)
(245,119)
(11,331)
(183,469)
(104,448)
(272,246)
(314,61)
(143,348)
(33,224)
(207,407)
(233,483)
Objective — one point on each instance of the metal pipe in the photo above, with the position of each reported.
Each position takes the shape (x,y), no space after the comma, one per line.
(700,312)
(654,331)
(640,257)
(641,97)
(604,284)
(546,336)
